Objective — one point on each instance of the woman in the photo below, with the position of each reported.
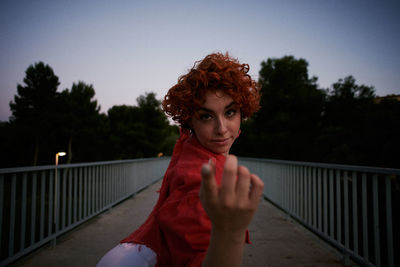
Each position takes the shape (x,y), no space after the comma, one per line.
(206,200)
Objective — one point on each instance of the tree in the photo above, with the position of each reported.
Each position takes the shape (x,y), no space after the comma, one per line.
(33,106)
(358,130)
(288,122)
(384,130)
(140,131)
(80,122)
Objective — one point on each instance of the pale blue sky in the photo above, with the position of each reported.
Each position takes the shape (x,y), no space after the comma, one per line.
(127,48)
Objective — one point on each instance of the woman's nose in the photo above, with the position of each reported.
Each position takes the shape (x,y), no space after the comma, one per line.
(220,126)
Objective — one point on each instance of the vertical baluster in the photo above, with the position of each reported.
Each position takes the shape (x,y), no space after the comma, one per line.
(306,194)
(134,178)
(355,214)
(95,192)
(320,210)
(85,186)
(338,209)
(295,191)
(309,193)
(302,188)
(75,208)
(314,196)
(97,188)
(365,216)
(375,198)
(80,193)
(93,187)
(42,202)
(331,205)
(115,184)
(119,182)
(288,189)
(346,216)
(50,221)
(69,216)
(325,186)
(23,212)
(389,231)
(123,180)
(102,187)
(283,188)
(12,215)
(64,197)
(111,182)
(57,200)
(105,186)
(89,189)
(1,209)
(33,209)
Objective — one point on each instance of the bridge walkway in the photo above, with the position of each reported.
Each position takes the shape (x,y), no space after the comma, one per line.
(276,239)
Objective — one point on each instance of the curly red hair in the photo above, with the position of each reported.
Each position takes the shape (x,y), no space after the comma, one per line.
(215,72)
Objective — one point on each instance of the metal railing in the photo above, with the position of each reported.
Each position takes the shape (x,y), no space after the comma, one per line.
(351,207)
(38,204)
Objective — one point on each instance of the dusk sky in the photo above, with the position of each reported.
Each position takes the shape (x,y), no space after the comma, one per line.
(127,48)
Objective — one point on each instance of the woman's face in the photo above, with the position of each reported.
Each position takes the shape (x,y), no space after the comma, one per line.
(216,123)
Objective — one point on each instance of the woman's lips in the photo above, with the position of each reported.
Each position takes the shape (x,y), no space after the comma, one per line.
(221,142)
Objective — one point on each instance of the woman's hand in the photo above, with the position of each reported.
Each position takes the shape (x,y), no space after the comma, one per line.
(231,207)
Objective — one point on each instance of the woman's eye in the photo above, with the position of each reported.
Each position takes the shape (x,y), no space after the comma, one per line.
(205,117)
(230,112)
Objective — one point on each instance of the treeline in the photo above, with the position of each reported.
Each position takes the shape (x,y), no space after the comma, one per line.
(345,124)
(45,121)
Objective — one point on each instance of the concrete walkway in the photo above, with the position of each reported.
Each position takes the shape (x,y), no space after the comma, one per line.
(276,240)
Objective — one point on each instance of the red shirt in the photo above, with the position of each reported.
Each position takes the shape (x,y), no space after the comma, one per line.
(178,229)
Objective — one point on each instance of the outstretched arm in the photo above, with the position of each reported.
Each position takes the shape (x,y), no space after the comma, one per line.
(231,207)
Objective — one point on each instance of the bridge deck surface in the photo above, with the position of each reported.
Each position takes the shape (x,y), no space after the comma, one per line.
(276,239)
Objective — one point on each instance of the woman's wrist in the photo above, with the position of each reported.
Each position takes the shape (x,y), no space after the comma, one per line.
(225,249)
(233,237)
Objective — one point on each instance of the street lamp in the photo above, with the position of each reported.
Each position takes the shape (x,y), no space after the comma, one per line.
(59,154)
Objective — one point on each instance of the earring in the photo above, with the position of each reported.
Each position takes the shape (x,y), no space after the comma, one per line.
(239,131)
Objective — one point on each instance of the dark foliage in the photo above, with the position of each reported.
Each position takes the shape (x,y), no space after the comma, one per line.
(45,122)
(345,124)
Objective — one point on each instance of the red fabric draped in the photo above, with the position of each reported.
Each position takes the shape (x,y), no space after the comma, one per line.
(178,229)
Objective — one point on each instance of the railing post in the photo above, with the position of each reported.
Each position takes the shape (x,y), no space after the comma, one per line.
(376,220)
(346,219)
(1,208)
(389,231)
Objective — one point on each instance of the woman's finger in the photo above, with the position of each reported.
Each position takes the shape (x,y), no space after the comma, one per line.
(243,184)
(208,186)
(229,175)
(257,188)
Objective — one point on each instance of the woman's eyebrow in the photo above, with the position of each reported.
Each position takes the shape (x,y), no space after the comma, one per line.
(209,110)
(204,109)
(230,105)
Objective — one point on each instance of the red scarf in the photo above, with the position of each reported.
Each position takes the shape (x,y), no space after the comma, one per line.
(178,229)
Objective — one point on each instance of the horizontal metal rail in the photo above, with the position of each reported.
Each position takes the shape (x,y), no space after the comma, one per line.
(351,207)
(38,204)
